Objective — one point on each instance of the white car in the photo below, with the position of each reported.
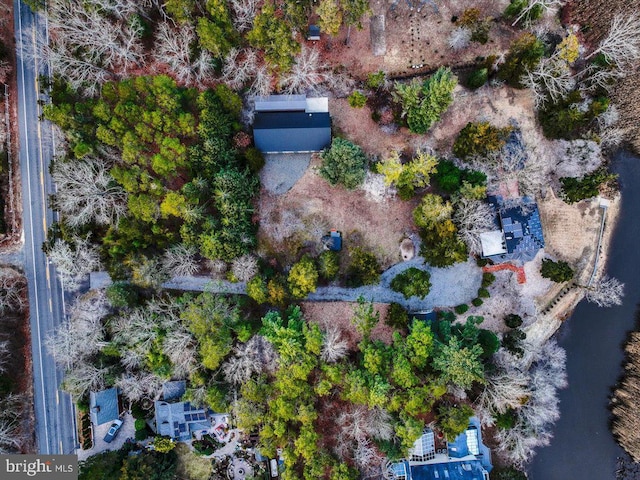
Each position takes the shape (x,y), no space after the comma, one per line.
(113,430)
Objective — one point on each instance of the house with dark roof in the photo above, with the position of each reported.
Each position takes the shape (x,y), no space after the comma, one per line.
(103,406)
(520,235)
(291,124)
(466,458)
(181,420)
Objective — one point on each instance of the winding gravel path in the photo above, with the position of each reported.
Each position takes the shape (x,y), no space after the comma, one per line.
(449,286)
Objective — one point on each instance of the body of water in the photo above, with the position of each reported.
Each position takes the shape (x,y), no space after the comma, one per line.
(583,447)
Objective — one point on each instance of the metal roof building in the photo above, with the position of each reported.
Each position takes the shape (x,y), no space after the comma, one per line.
(103,406)
(291,123)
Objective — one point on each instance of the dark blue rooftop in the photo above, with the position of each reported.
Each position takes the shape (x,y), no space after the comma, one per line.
(291,131)
(103,406)
(522,228)
(462,470)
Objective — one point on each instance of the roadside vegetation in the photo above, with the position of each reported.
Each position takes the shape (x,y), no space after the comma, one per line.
(157,178)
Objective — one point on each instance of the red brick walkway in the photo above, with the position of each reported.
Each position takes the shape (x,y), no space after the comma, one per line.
(522,278)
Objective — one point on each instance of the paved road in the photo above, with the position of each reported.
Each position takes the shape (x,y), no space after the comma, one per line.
(55,418)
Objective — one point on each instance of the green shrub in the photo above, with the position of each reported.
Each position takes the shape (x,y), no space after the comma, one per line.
(483,293)
(516,7)
(423,103)
(328,264)
(397,316)
(454,420)
(257,289)
(364,268)
(230,100)
(479,139)
(460,309)
(489,342)
(478,78)
(478,26)
(303,278)
(255,159)
(512,320)
(506,420)
(141,435)
(357,99)
(557,271)
(512,340)
(376,80)
(137,411)
(450,178)
(123,294)
(574,190)
(476,302)
(140,424)
(487,279)
(412,282)
(344,163)
(83,404)
(524,54)
(567,118)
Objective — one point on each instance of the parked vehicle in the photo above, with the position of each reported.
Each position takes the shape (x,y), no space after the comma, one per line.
(113,430)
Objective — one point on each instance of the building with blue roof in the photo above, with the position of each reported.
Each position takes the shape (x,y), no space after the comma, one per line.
(181,420)
(465,458)
(103,406)
(291,124)
(520,236)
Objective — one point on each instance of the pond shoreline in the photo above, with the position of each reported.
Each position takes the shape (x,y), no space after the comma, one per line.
(583,446)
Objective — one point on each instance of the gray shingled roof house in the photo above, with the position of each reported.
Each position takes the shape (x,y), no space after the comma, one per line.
(520,235)
(180,420)
(291,124)
(103,406)
(466,458)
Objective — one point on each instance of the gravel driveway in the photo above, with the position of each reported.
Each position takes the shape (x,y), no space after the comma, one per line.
(282,170)
(449,286)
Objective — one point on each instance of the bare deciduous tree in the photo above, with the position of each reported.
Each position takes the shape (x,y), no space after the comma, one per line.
(460,38)
(239,67)
(84,377)
(139,385)
(12,291)
(307,73)
(180,347)
(621,46)
(334,346)
(473,217)
(605,292)
(244,268)
(12,433)
(244,11)
(262,82)
(180,260)
(549,6)
(175,46)
(90,34)
(74,261)
(546,371)
(551,79)
(253,357)
(83,334)
(86,192)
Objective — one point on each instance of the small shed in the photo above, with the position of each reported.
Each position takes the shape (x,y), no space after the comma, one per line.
(103,406)
(313,33)
(333,241)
